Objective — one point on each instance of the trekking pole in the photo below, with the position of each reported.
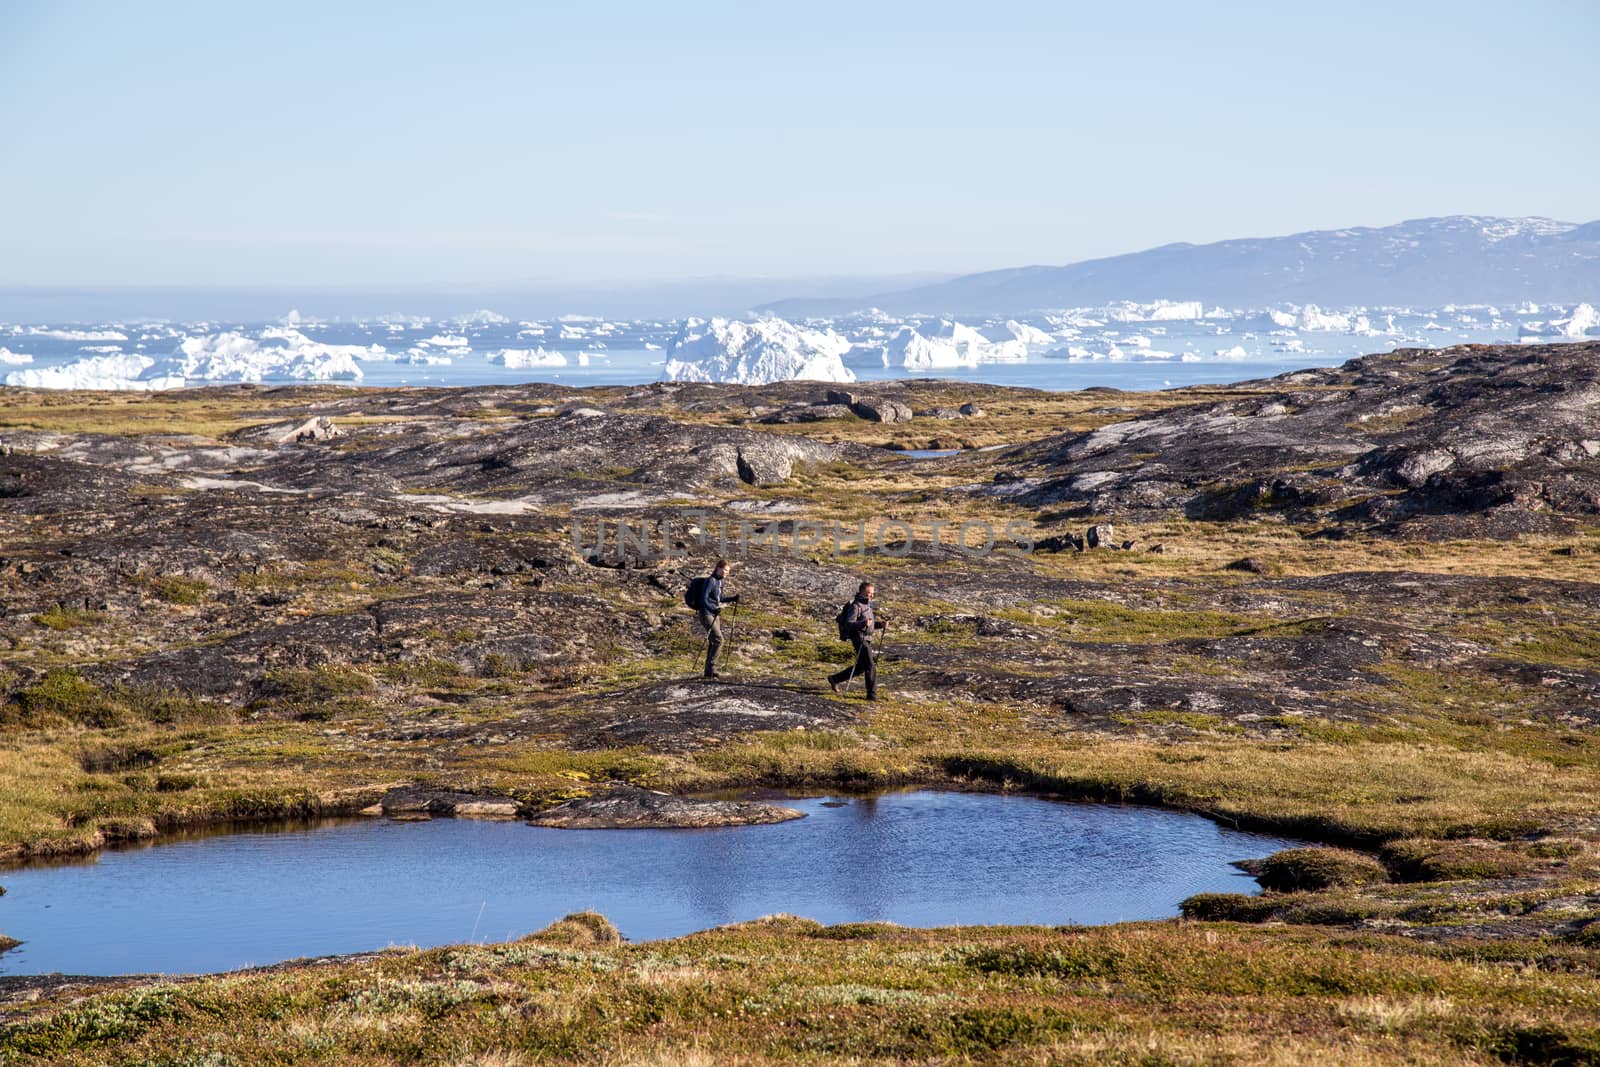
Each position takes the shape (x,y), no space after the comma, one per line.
(855,661)
(700,653)
(727,642)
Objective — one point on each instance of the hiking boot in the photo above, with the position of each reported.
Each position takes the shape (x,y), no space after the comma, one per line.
(711,676)
(837,687)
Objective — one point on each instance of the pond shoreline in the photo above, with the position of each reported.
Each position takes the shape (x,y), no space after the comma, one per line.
(982,777)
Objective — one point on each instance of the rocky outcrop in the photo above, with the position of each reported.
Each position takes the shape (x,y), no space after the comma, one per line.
(632,808)
(881,409)
(1505,437)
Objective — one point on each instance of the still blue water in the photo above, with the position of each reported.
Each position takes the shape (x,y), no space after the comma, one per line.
(920,858)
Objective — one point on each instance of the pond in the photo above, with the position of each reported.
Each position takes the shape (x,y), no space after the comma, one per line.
(924,858)
(928,453)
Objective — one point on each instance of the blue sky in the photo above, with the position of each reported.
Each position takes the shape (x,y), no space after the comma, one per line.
(487,143)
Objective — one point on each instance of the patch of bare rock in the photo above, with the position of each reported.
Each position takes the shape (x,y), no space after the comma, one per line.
(625,807)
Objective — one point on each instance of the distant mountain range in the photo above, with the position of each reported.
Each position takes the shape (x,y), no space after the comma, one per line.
(1463,259)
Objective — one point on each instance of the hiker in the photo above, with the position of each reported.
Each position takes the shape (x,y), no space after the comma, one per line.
(859,625)
(710,608)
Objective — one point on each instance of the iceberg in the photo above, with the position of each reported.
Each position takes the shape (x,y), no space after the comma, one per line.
(1584,318)
(76,335)
(950,345)
(1314,318)
(1174,310)
(234,357)
(445,340)
(1028,335)
(122,373)
(424,357)
(913,351)
(483,317)
(755,353)
(524,358)
(14,358)
(279,352)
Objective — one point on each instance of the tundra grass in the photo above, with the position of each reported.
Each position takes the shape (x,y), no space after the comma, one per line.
(784,990)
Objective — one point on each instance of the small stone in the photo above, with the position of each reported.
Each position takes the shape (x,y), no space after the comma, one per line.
(1100,535)
(1249,565)
(971,411)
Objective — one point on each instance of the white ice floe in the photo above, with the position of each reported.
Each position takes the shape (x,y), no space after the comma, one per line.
(277,352)
(1159,311)
(524,358)
(75,335)
(424,357)
(121,372)
(755,353)
(14,358)
(483,317)
(445,340)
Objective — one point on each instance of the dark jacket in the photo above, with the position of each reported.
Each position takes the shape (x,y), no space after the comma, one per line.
(711,599)
(858,618)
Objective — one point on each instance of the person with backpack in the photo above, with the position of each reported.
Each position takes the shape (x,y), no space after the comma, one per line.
(704,595)
(859,625)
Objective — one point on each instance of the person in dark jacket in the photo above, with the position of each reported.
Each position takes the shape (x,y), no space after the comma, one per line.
(711,602)
(861,625)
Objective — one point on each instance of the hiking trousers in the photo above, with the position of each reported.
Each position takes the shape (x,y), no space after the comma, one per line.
(865,667)
(713,625)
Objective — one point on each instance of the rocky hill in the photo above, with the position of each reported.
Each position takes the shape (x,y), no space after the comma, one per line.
(1458,442)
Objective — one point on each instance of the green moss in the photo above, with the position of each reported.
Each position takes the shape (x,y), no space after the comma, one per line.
(60,618)
(177,589)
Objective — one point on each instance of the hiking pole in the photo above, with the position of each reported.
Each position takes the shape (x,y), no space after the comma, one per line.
(855,661)
(727,641)
(700,653)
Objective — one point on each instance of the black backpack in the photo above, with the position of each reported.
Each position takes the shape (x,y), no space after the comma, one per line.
(845,632)
(695,595)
